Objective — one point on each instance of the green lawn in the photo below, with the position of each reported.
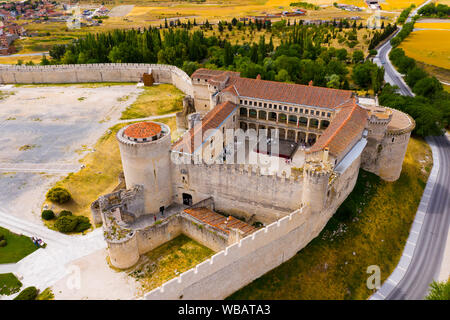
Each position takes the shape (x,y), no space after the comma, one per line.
(370,228)
(17,248)
(9,284)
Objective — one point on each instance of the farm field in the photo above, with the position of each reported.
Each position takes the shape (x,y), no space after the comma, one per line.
(432,25)
(428,46)
(399,4)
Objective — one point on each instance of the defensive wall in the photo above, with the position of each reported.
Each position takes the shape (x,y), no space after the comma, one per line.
(240,190)
(102,72)
(244,261)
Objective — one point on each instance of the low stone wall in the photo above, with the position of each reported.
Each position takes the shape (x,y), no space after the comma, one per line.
(102,72)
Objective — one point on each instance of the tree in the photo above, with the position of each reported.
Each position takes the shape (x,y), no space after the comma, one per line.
(439,291)
(427,87)
(333,81)
(358,56)
(342,54)
(58,195)
(283,76)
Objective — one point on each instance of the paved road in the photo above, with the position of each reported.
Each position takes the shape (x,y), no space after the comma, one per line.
(429,250)
(391,75)
(433,222)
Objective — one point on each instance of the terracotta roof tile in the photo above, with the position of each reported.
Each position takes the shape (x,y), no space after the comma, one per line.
(219,221)
(288,93)
(142,130)
(348,123)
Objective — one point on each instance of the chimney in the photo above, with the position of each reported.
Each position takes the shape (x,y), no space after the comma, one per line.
(325,154)
(258,77)
(311,83)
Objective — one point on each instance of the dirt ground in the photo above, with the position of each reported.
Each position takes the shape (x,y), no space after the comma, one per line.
(91,278)
(50,126)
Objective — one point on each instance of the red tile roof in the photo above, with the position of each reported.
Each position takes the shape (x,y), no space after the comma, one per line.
(288,93)
(212,120)
(347,125)
(219,221)
(142,130)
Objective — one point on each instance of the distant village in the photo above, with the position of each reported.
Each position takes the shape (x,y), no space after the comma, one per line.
(37,11)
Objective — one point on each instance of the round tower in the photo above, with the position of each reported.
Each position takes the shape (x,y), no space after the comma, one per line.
(144,149)
(315,189)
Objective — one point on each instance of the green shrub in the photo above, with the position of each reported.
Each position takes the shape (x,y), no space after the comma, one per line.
(2,236)
(47,214)
(3,243)
(71,223)
(66,224)
(58,195)
(65,213)
(83,224)
(29,293)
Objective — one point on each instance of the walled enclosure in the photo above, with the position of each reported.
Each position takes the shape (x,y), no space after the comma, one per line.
(103,72)
(258,253)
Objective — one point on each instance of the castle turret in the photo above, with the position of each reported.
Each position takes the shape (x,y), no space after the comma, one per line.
(316,177)
(144,148)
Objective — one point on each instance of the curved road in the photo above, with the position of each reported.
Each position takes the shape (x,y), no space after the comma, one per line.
(429,246)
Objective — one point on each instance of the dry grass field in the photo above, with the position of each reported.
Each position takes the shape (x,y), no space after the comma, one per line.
(433,25)
(429,46)
(399,4)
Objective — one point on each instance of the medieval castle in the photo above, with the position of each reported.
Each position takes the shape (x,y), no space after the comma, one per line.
(256,197)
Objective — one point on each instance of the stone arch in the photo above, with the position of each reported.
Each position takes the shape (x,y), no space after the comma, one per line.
(252,113)
(243,112)
(291,135)
(302,121)
(262,115)
(252,126)
(282,118)
(324,124)
(273,116)
(292,120)
(312,138)
(314,123)
(301,136)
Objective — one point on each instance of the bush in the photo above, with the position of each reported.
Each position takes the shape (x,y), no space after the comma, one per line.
(47,214)
(29,293)
(58,195)
(83,224)
(66,224)
(2,236)
(3,243)
(71,223)
(64,213)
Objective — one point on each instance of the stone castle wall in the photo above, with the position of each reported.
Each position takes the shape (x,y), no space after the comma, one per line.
(235,267)
(238,190)
(102,72)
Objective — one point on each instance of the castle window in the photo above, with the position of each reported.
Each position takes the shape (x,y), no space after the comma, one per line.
(265,105)
(260,104)
(240,102)
(206,80)
(245,101)
(323,114)
(270,105)
(296,109)
(290,109)
(306,111)
(317,113)
(301,110)
(328,114)
(393,139)
(285,108)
